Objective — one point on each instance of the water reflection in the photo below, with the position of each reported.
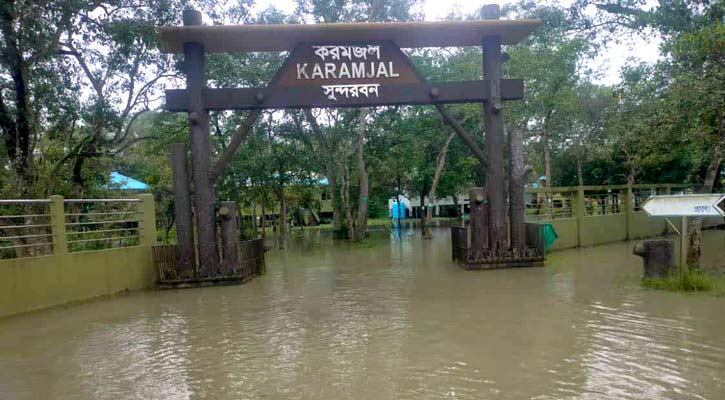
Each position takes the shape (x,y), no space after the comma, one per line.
(386,319)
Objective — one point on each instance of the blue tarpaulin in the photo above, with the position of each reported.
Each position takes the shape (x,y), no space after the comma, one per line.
(127,183)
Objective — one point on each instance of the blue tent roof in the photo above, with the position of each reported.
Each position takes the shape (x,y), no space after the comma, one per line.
(127,183)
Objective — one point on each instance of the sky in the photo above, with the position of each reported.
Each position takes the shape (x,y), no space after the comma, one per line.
(606,66)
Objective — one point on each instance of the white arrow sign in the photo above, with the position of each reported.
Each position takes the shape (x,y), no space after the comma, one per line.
(685,205)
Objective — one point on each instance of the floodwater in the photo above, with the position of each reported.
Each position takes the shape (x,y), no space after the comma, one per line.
(390,319)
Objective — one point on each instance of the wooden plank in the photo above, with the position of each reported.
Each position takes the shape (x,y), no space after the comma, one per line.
(284,37)
(277,97)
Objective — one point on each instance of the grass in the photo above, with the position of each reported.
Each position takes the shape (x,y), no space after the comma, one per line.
(689,281)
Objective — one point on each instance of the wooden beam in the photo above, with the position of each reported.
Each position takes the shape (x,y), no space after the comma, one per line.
(282,97)
(284,37)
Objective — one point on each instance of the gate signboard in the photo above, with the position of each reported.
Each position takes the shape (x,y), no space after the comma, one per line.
(343,65)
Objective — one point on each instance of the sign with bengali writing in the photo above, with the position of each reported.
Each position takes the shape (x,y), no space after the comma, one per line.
(348,74)
(685,205)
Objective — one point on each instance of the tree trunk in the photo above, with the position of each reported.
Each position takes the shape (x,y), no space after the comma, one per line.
(254,218)
(334,197)
(459,213)
(346,203)
(282,217)
(362,202)
(694,249)
(495,149)
(440,164)
(264,217)
(195,68)
(547,170)
(421,211)
(517,202)
(579,162)
(327,157)
(182,210)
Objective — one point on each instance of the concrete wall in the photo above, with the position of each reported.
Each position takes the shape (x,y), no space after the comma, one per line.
(598,229)
(28,284)
(32,283)
(566,228)
(642,226)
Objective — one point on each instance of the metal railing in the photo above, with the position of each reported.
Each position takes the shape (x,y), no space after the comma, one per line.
(25,228)
(37,227)
(544,204)
(96,224)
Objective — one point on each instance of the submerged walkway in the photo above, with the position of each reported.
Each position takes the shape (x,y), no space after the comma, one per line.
(382,320)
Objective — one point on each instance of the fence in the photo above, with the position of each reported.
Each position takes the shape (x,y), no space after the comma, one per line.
(62,250)
(167,265)
(590,215)
(38,227)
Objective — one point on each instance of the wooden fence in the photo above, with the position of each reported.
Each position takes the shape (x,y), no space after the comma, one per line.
(169,273)
(533,254)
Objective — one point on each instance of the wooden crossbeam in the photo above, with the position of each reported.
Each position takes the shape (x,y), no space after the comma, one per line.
(301,97)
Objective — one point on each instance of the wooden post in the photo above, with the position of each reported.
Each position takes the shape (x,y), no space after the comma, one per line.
(230,250)
(195,68)
(493,126)
(517,201)
(478,219)
(57,225)
(182,210)
(147,222)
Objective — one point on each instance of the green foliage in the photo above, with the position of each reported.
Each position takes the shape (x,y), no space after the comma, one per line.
(689,281)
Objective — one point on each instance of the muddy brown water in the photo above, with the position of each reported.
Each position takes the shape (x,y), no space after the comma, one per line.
(390,319)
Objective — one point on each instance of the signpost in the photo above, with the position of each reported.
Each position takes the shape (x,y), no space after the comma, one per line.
(683,206)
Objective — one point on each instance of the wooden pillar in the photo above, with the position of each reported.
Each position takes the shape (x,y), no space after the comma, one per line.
(517,201)
(195,68)
(478,218)
(230,248)
(493,126)
(182,209)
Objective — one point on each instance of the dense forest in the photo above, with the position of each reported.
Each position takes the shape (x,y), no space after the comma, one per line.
(82,95)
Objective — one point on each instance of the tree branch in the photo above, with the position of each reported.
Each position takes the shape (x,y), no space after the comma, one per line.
(462,133)
(239,137)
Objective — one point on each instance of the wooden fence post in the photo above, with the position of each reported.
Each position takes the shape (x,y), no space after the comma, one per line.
(57,225)
(230,248)
(147,221)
